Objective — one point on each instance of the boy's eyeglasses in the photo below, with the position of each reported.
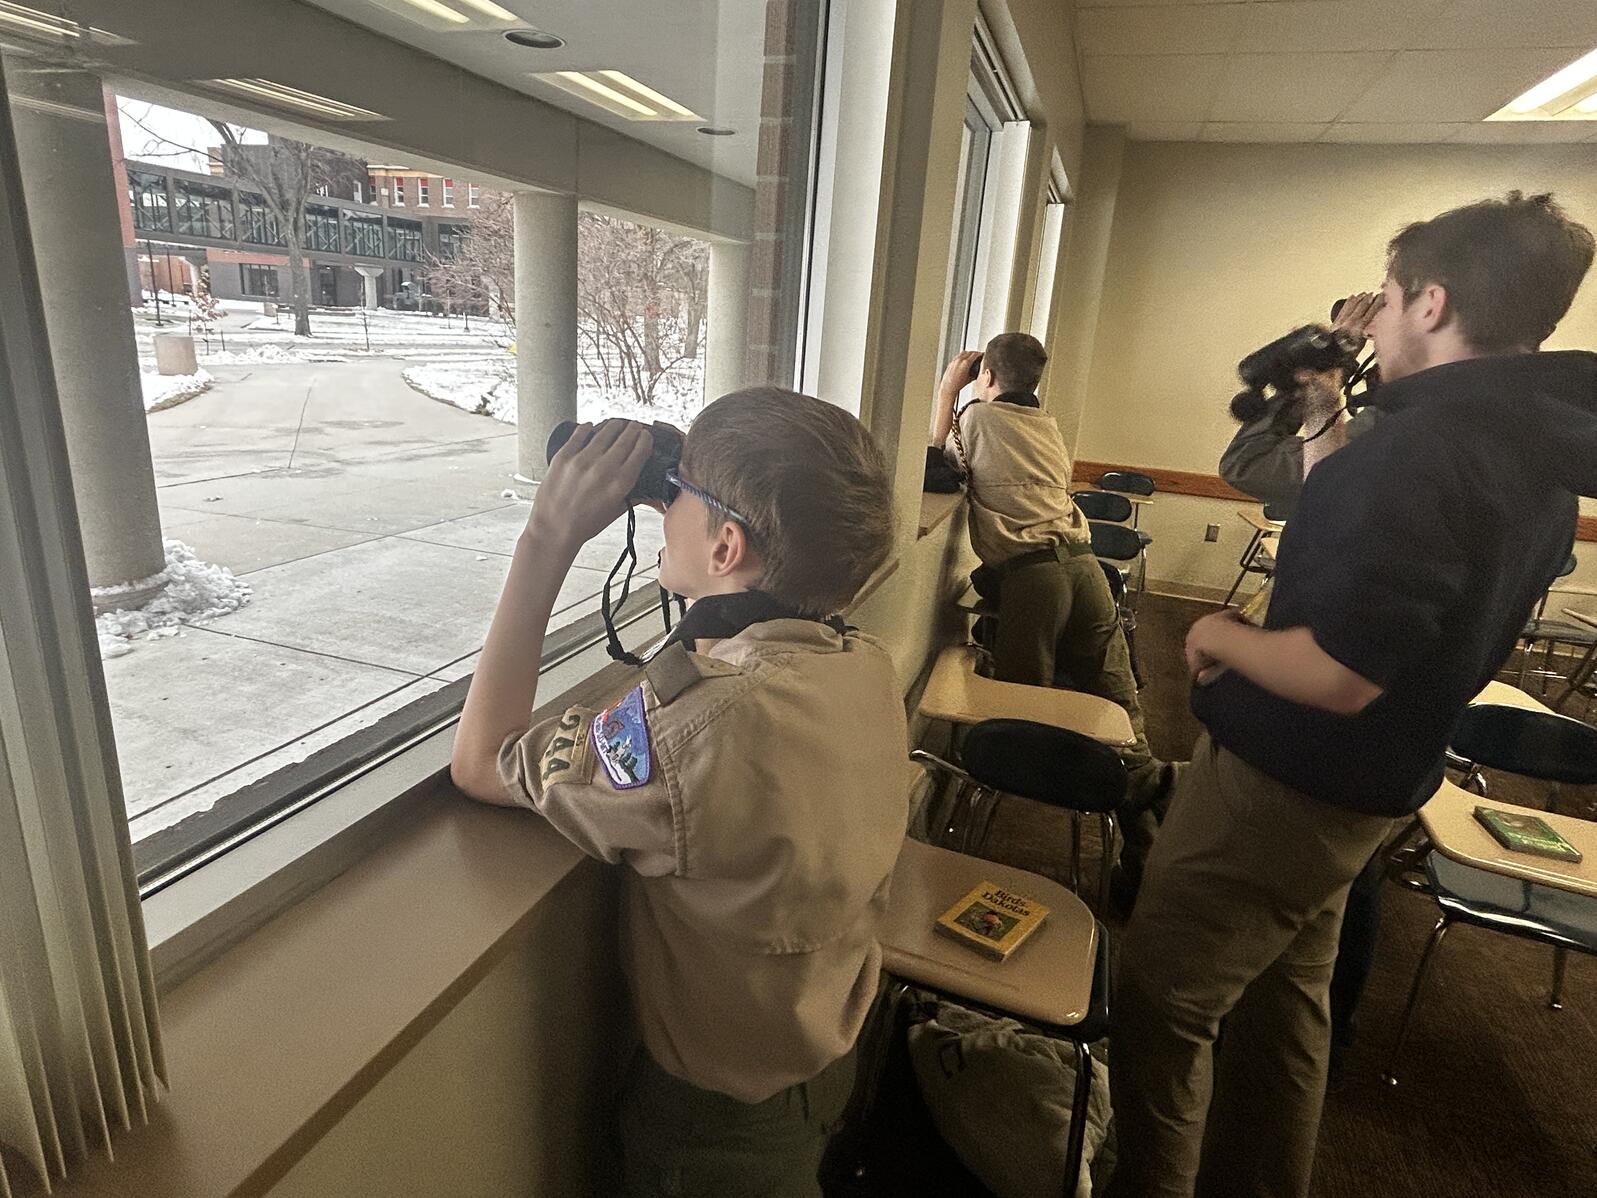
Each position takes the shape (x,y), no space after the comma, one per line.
(677,481)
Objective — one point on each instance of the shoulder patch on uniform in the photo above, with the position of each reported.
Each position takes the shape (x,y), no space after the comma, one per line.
(569,756)
(621,738)
(674,669)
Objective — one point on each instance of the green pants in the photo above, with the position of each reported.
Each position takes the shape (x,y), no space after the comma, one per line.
(1237,920)
(683,1142)
(1061,616)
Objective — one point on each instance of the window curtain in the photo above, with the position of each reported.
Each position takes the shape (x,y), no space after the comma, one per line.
(80,1050)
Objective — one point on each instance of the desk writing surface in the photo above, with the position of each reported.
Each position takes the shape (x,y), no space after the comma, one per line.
(958,694)
(1582,617)
(1501,694)
(1449,821)
(1255,519)
(1047,979)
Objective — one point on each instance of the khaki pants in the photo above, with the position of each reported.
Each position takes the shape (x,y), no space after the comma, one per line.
(679,1141)
(1062,615)
(1237,920)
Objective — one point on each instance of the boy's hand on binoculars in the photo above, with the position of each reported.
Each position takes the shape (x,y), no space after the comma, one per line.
(1358,310)
(588,482)
(957,375)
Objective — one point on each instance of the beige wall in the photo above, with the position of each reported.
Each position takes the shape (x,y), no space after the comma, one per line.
(1216,249)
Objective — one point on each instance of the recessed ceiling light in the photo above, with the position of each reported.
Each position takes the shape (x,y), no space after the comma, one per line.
(716,131)
(489,9)
(18,17)
(1563,95)
(621,94)
(283,96)
(534,39)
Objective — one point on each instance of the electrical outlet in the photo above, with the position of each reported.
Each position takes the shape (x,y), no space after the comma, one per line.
(1211,533)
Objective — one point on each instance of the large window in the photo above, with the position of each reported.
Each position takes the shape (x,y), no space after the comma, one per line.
(363,235)
(321,228)
(204,210)
(147,194)
(404,239)
(259,223)
(332,502)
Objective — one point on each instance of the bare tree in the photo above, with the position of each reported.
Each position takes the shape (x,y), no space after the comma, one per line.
(636,312)
(286,174)
(480,276)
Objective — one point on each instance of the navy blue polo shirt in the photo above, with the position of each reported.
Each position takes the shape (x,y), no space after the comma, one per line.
(1414,557)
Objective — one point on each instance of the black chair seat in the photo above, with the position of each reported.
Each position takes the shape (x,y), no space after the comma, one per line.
(1102,505)
(1128,481)
(1115,541)
(1050,765)
(1560,630)
(1536,744)
(1512,905)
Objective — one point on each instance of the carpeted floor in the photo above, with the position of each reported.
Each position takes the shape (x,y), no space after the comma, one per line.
(1498,1094)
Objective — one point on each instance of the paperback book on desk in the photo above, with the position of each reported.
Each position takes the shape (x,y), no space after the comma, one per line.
(992,920)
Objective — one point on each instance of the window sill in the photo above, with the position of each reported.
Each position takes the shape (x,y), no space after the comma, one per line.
(935,508)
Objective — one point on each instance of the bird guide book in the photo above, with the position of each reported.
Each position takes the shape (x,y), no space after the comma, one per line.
(992,920)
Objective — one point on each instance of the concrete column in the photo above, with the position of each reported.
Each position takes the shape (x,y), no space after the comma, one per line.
(67,182)
(726,339)
(546,322)
(369,276)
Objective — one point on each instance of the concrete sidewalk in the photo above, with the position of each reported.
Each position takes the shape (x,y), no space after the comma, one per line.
(371,523)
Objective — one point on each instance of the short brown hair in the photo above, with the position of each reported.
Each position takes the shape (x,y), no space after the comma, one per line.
(1016,360)
(811,483)
(1511,267)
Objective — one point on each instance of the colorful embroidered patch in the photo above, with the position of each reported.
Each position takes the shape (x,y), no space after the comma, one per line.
(621,737)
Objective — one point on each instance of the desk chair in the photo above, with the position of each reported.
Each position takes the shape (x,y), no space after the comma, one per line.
(1117,544)
(1129,482)
(1583,679)
(1551,633)
(1477,882)
(1038,762)
(1112,508)
(1057,981)
(1259,556)
(1552,748)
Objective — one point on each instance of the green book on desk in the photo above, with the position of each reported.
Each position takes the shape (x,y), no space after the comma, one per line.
(1526,834)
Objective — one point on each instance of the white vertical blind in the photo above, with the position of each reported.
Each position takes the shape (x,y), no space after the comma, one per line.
(80,1047)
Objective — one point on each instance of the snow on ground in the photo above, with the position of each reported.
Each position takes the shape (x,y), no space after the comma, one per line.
(195,591)
(488,388)
(169,390)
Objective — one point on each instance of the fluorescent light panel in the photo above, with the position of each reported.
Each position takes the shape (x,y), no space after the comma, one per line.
(451,12)
(31,20)
(621,94)
(281,95)
(1566,95)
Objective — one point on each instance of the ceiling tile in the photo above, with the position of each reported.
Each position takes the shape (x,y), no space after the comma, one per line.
(1411,134)
(1477,24)
(1174,87)
(1293,87)
(1164,130)
(1319,25)
(1285,131)
(1452,85)
(1183,29)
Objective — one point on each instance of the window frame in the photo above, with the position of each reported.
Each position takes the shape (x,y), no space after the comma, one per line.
(248,271)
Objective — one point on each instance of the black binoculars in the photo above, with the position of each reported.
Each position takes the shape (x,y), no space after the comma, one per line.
(652,485)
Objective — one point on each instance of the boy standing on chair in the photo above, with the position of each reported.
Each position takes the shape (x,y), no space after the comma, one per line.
(1055,610)
(1402,583)
(745,784)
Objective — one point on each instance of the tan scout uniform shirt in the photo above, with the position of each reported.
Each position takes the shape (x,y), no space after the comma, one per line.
(755,792)
(1019,481)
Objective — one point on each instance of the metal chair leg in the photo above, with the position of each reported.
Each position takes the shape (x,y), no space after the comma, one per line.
(1077,1139)
(1431,945)
(987,820)
(1107,824)
(1577,680)
(1524,661)
(1560,963)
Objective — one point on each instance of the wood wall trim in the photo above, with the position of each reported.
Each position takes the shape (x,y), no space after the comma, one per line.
(1173,482)
(1212,486)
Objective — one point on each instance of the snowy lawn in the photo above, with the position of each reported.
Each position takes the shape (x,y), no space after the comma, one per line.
(488,388)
